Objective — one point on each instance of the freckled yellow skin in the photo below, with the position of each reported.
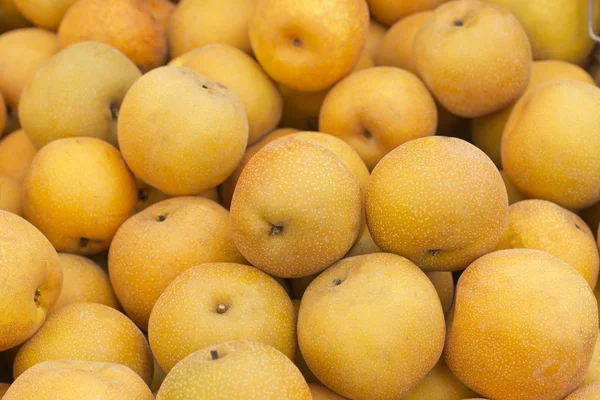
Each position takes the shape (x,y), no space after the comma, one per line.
(79,188)
(242,74)
(127,25)
(28,263)
(543,225)
(389,12)
(147,254)
(16,153)
(23,51)
(84,81)
(76,380)
(44,13)
(436,193)
(551,144)
(320,392)
(396,47)
(392,105)
(245,370)
(588,392)
(84,281)
(478,66)
(524,326)
(593,372)
(377,333)
(487,130)
(87,332)
(226,189)
(195,24)
(439,383)
(309,194)
(180,131)
(185,317)
(308,45)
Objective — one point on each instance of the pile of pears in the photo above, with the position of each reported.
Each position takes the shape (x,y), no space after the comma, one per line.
(299,200)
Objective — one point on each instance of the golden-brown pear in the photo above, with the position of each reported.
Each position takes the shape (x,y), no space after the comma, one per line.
(214,303)
(23,51)
(374,36)
(320,392)
(292,195)
(389,12)
(16,154)
(438,201)
(197,23)
(514,194)
(301,109)
(161,11)
(32,276)
(371,347)
(155,245)
(84,281)
(77,380)
(396,47)
(87,82)
(377,109)
(242,74)
(78,191)
(593,372)
(180,131)
(44,13)
(487,130)
(474,57)
(87,332)
(549,144)
(364,245)
(235,370)
(308,45)
(4,387)
(10,17)
(543,225)
(3,114)
(134,32)
(299,359)
(506,301)
(439,383)
(588,392)
(10,198)
(443,282)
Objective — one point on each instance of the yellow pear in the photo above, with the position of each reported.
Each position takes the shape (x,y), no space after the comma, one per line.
(10,195)
(509,299)
(16,154)
(32,276)
(87,82)
(238,369)
(593,372)
(308,45)
(44,13)
(439,383)
(438,201)
(514,194)
(76,380)
(197,141)
(214,303)
(588,392)
(320,392)
(389,12)
(10,17)
(292,195)
(371,347)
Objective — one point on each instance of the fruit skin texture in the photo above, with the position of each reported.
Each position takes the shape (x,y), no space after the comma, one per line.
(524,326)
(239,72)
(77,192)
(23,51)
(588,392)
(195,24)
(475,57)
(514,195)
(487,130)
(320,392)
(439,383)
(87,82)
(390,11)
(543,225)
(154,246)
(550,144)
(593,372)
(377,109)
(3,114)
(364,306)
(75,380)
(32,278)
(87,332)
(186,317)
(309,45)
(396,47)
(290,196)
(243,370)
(568,40)
(438,201)
(44,13)
(180,131)
(16,154)
(10,200)
(84,281)
(127,25)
